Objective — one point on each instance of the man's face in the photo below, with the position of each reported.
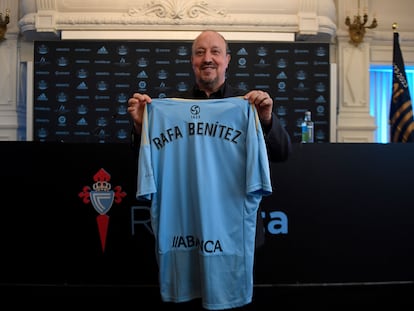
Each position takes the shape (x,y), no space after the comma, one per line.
(209,60)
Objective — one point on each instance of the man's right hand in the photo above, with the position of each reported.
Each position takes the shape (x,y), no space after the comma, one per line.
(136,105)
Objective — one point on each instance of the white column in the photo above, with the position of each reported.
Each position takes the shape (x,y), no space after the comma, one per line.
(8,74)
(355,124)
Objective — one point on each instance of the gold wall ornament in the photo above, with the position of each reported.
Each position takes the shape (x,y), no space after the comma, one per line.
(358,27)
(3,24)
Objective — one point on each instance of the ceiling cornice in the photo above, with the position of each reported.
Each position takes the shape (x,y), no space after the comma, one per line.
(307,19)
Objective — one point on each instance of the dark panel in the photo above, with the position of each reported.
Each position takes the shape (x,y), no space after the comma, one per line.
(339,213)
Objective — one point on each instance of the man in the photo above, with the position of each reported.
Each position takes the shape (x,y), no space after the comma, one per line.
(210,59)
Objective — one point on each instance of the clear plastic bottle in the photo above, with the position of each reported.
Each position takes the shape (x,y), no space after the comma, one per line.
(307,128)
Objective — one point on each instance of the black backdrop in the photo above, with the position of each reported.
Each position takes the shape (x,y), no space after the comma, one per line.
(81,88)
(339,213)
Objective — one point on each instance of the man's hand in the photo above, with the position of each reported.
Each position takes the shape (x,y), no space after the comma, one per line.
(136,105)
(263,103)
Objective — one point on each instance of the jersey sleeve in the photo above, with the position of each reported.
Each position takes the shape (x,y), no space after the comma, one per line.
(146,186)
(257,164)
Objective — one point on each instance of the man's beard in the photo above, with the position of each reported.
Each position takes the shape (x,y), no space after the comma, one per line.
(209,84)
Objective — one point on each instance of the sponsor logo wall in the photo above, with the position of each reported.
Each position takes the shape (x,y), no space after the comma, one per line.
(82,87)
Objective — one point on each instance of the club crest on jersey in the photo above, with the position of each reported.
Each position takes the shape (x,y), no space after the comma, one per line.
(195,111)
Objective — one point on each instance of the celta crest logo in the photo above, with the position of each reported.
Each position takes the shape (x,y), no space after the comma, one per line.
(102,197)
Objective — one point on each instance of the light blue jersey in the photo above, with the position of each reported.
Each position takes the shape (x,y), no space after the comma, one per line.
(204,165)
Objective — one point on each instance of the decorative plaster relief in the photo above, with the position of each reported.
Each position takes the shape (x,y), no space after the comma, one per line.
(176,10)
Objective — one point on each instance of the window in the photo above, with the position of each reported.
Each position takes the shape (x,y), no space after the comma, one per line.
(380,97)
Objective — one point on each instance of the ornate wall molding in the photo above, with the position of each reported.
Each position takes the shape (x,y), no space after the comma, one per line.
(176,10)
(308,19)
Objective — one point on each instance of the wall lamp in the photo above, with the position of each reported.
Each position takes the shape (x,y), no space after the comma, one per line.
(3,24)
(357,27)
